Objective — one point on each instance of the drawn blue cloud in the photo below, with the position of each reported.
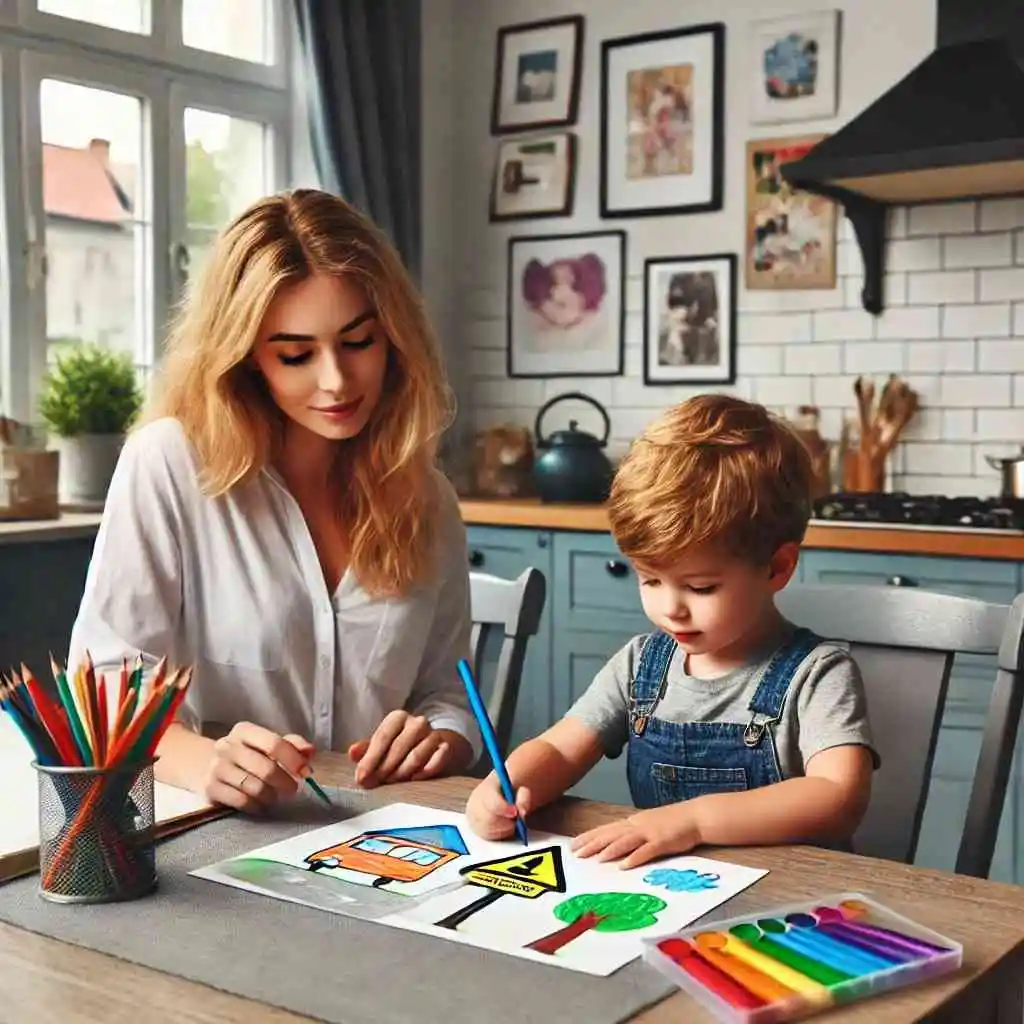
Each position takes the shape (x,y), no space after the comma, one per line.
(676,880)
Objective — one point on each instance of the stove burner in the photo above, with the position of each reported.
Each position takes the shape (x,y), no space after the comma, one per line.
(923,510)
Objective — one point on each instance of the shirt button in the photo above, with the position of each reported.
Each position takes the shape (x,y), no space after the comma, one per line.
(322,711)
(324,661)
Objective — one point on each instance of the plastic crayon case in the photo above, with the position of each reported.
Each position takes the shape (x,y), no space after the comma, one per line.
(793,961)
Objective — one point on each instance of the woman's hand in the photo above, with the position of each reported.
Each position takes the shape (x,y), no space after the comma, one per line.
(254,767)
(404,747)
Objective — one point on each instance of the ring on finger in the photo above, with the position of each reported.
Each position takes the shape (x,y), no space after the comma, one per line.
(245,778)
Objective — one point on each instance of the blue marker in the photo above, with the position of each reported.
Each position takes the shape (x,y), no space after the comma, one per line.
(490,741)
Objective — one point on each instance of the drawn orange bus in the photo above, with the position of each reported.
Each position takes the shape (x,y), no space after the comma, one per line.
(393,855)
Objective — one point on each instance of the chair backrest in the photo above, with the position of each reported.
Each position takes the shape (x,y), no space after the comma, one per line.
(514,608)
(904,642)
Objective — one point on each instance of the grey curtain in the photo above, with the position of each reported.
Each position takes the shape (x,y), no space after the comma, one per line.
(361,69)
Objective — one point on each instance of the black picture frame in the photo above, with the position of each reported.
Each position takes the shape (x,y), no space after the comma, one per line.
(564,247)
(658,373)
(701,203)
(501,127)
(565,208)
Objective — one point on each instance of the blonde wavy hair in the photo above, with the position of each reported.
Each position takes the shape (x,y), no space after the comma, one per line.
(386,489)
(712,470)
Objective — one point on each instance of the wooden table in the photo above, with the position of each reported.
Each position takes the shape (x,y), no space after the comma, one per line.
(44,980)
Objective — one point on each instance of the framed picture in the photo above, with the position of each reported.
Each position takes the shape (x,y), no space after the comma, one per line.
(795,72)
(790,235)
(537,76)
(662,122)
(534,177)
(566,308)
(690,319)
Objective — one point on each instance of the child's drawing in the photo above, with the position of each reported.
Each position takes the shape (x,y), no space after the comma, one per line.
(682,881)
(393,855)
(424,870)
(527,875)
(602,912)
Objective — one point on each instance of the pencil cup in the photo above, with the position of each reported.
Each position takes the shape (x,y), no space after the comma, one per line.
(96,833)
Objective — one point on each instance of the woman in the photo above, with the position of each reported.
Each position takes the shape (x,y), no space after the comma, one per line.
(276,519)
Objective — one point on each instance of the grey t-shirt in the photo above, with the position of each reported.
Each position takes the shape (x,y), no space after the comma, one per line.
(825,706)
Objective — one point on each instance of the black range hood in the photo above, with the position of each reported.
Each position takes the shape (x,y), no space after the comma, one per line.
(953,128)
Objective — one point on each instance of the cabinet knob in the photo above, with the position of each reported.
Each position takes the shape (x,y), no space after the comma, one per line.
(542,541)
(476,558)
(616,568)
(901,581)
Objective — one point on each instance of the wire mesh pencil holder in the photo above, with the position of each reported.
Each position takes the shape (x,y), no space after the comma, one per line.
(96,833)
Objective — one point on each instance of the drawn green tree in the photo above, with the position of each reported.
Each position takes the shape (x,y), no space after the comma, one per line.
(602,912)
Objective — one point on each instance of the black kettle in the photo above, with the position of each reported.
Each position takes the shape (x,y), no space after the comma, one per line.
(571,465)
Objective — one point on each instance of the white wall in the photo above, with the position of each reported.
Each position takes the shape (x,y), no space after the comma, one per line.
(955,291)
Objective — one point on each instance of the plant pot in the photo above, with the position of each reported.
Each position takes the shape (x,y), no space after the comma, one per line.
(87,463)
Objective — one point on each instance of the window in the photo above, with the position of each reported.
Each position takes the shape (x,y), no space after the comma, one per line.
(146,125)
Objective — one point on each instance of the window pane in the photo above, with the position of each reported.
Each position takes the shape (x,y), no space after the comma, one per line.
(235,28)
(227,170)
(96,222)
(126,15)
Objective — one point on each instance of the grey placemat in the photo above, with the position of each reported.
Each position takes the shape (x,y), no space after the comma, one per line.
(337,969)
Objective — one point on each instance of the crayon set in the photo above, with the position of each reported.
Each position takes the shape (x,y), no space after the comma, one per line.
(793,961)
(94,745)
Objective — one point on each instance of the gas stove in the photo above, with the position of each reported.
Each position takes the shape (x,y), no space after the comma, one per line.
(921,511)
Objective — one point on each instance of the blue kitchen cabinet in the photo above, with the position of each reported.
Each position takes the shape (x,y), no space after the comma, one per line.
(507,552)
(970,688)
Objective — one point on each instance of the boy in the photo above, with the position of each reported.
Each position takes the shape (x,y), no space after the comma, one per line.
(740,727)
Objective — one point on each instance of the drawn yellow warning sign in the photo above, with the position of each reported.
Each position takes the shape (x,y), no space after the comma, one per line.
(527,874)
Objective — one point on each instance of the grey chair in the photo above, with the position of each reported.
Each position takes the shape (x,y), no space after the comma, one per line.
(512,609)
(905,642)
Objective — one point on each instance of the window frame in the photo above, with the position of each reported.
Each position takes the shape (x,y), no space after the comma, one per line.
(168,77)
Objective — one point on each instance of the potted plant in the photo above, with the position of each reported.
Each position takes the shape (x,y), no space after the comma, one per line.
(90,397)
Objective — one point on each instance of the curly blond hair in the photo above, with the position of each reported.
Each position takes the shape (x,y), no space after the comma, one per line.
(713,469)
(387,490)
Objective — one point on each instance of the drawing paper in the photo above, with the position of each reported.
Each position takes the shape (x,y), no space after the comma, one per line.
(423,869)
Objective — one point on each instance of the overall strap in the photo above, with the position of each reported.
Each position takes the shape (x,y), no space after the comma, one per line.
(766,704)
(647,686)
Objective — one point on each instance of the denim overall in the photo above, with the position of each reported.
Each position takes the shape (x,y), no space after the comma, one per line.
(668,762)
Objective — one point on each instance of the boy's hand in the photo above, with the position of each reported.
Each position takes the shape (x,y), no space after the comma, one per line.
(490,815)
(641,837)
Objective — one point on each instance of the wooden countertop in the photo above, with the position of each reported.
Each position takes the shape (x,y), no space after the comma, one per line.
(910,540)
(47,980)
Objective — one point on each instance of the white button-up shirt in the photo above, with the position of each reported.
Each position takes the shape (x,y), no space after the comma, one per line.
(233,586)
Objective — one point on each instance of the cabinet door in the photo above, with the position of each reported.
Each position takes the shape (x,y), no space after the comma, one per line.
(578,657)
(38,611)
(507,552)
(596,588)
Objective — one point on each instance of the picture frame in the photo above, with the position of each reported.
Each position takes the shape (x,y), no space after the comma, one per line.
(690,319)
(538,66)
(663,122)
(790,235)
(534,176)
(794,74)
(565,304)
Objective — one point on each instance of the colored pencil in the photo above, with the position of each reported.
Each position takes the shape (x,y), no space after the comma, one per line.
(318,789)
(490,742)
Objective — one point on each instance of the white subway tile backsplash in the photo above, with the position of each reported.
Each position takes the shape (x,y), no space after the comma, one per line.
(909,322)
(940,356)
(994,250)
(992,321)
(1001,355)
(953,328)
(843,325)
(874,357)
(975,391)
(1001,424)
(943,219)
(1001,214)
(1001,285)
(914,254)
(941,286)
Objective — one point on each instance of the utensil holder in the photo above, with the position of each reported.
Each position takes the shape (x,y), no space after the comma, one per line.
(96,832)
(863,473)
